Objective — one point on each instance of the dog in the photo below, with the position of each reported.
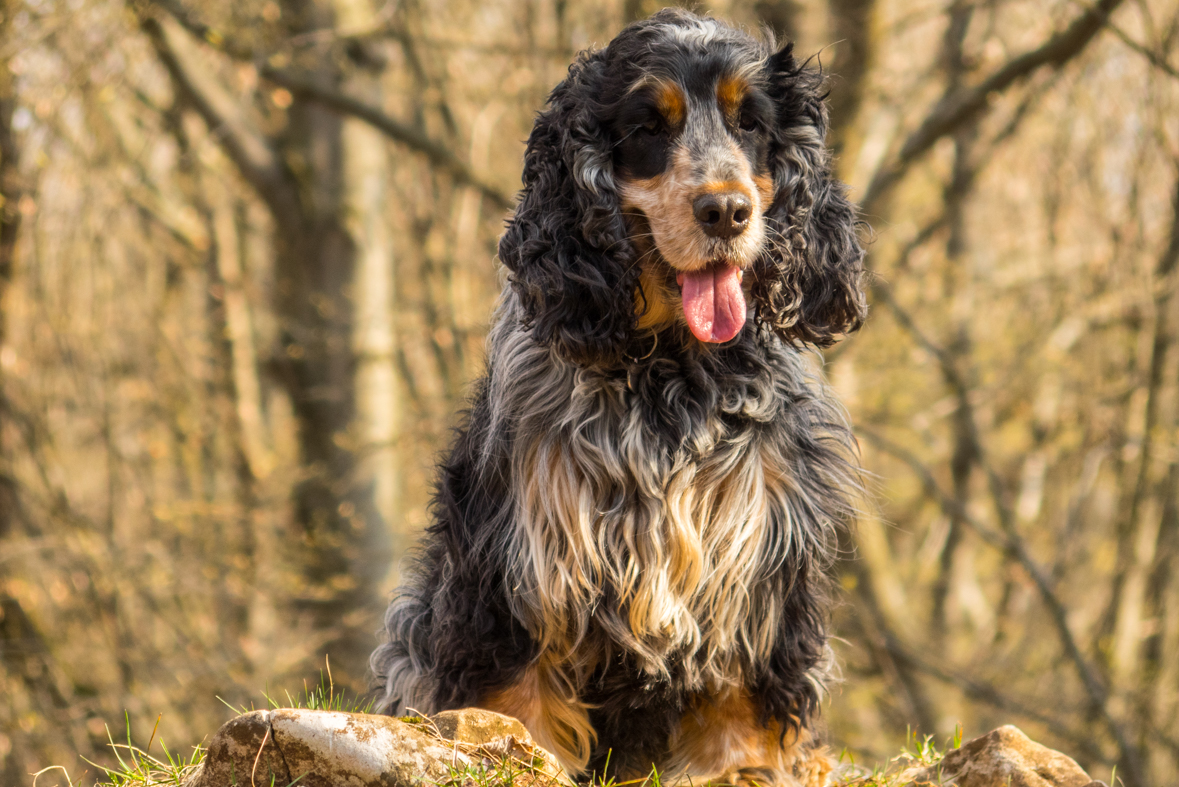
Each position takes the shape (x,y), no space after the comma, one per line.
(634,524)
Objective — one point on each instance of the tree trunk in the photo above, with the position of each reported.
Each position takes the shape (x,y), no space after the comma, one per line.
(322,179)
(850,30)
(11,191)
(366,182)
(333,273)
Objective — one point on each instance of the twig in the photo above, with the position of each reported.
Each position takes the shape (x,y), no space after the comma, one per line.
(1152,57)
(250,150)
(435,152)
(258,756)
(987,693)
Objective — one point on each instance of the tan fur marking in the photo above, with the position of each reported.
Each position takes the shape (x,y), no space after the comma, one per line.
(725,185)
(666,202)
(765,189)
(669,100)
(547,706)
(656,305)
(721,736)
(814,768)
(730,92)
(657,308)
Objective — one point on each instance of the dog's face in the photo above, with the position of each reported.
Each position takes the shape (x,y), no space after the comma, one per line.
(692,166)
(679,177)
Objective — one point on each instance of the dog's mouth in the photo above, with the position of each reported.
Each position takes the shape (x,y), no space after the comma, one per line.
(713,302)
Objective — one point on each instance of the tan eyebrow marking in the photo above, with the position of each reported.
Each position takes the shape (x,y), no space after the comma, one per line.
(730,92)
(669,100)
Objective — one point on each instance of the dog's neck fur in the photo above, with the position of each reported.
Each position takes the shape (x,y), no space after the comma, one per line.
(657,517)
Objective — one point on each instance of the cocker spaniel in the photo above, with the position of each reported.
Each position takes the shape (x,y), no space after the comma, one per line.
(634,524)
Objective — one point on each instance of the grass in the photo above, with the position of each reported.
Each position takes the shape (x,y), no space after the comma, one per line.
(513,774)
(137,767)
(322,696)
(917,752)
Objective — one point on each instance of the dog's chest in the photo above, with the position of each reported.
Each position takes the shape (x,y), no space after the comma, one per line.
(661,543)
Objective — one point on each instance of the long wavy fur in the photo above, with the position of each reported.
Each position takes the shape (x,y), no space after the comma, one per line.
(641,526)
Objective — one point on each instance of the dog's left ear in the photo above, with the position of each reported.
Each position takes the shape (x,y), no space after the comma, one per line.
(809,283)
(571,260)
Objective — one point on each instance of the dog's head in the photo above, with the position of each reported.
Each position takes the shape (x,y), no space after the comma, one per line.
(679,176)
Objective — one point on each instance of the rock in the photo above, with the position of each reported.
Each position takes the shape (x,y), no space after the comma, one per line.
(472,725)
(332,749)
(1003,758)
(497,736)
(242,752)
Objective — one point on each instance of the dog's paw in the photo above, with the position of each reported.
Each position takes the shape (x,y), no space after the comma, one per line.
(752,777)
(815,768)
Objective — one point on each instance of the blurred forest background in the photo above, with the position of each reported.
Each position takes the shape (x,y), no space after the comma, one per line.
(246,269)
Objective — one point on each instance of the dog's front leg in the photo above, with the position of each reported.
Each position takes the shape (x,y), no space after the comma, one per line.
(545,700)
(721,740)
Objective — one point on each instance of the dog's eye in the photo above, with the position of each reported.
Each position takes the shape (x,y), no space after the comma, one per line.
(747,122)
(652,127)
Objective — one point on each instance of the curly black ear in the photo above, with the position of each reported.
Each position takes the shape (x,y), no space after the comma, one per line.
(809,283)
(571,261)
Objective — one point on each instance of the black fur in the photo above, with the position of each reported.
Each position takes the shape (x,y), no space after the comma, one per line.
(567,246)
(808,283)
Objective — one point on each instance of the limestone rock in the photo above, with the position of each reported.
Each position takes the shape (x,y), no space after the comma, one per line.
(1003,758)
(496,735)
(242,752)
(332,749)
(476,726)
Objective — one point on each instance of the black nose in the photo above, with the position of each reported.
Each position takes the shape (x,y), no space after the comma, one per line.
(722,214)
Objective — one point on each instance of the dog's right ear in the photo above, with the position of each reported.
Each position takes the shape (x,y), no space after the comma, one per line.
(571,261)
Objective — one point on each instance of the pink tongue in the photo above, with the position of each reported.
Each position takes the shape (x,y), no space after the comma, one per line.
(714,303)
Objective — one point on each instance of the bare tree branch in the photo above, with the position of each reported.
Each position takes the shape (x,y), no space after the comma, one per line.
(932,488)
(12,186)
(438,154)
(1129,523)
(958,106)
(988,693)
(1154,58)
(249,150)
(1012,544)
(435,152)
